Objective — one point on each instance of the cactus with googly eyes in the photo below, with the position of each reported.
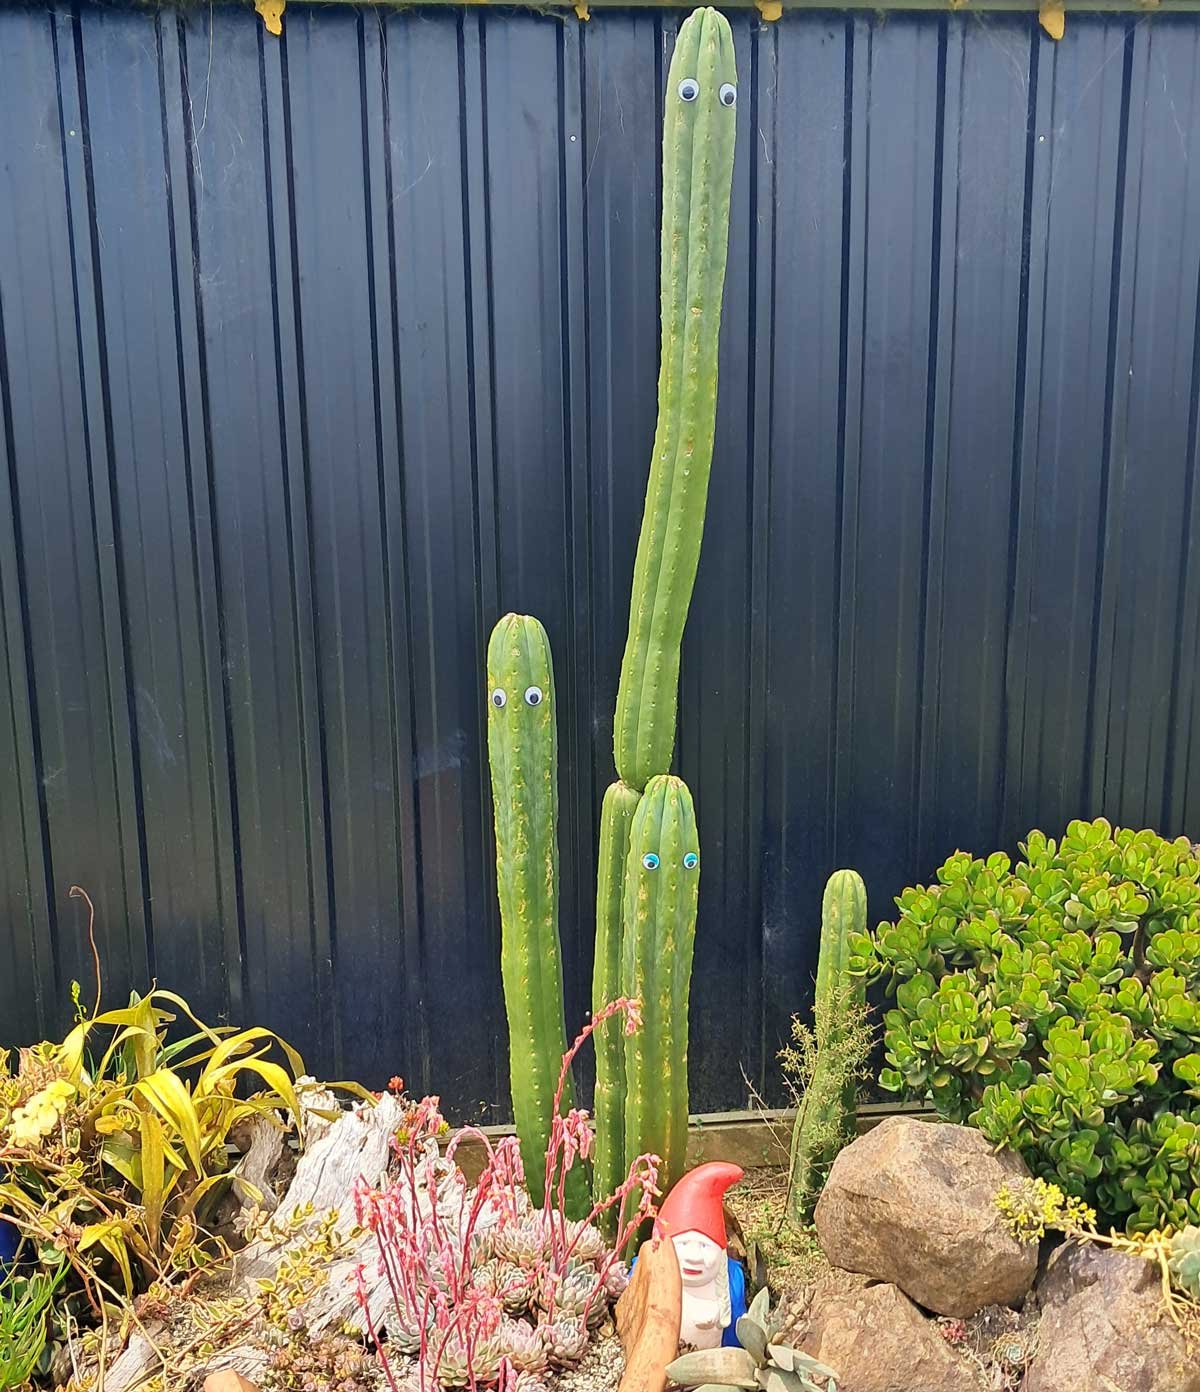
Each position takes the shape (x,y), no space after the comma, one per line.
(662,877)
(698,140)
(523,756)
(698,137)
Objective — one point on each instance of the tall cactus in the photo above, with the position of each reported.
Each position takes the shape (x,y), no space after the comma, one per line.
(658,910)
(825,1117)
(609,1160)
(698,135)
(662,878)
(523,755)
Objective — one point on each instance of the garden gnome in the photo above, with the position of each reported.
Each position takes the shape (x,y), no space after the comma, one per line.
(714,1285)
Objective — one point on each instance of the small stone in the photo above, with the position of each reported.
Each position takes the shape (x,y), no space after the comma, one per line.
(1104,1326)
(914,1203)
(876,1340)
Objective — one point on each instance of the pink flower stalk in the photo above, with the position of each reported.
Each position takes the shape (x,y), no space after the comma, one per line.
(428,1224)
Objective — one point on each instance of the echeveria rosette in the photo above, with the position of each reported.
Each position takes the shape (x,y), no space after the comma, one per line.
(1055,1004)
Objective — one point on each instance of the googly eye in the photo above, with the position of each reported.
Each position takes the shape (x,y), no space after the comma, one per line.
(727,96)
(533,695)
(499,698)
(689,89)
(691,860)
(650,861)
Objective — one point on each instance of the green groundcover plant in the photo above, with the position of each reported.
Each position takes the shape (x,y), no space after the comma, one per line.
(24,1303)
(1055,1005)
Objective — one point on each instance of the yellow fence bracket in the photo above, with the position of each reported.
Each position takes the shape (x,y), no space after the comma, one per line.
(1053,18)
(272,15)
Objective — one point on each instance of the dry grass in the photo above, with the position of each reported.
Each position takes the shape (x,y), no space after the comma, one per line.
(793,1255)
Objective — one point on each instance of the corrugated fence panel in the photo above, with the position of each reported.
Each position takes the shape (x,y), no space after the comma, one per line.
(318,354)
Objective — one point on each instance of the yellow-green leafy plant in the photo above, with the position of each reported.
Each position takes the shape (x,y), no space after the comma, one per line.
(24,1304)
(1032,1207)
(113,1142)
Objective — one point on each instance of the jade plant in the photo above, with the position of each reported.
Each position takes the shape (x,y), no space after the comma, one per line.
(1055,1005)
(825,1061)
(761,1364)
(631,922)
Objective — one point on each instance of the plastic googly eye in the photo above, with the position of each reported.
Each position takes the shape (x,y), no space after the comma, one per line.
(499,698)
(650,861)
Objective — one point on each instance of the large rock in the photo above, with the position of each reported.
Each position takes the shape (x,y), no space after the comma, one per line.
(1103,1326)
(876,1340)
(914,1203)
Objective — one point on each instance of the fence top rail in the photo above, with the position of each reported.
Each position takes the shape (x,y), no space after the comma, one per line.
(770,9)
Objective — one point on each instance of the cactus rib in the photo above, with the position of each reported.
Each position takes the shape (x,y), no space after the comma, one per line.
(698,139)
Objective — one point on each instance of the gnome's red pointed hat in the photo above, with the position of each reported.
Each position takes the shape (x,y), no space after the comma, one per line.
(694,1204)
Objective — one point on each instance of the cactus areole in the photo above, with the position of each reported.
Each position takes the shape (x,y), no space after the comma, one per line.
(698,137)
(523,754)
(662,878)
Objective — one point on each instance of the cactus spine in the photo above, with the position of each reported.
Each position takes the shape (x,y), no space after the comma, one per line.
(523,755)
(825,1118)
(609,1162)
(698,135)
(662,877)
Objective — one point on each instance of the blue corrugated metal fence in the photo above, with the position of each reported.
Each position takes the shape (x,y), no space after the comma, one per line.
(317,354)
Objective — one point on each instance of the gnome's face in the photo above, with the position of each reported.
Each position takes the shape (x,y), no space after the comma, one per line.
(699,1258)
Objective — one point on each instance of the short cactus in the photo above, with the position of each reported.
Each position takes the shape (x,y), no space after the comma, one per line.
(662,878)
(523,754)
(825,1116)
(1183,1261)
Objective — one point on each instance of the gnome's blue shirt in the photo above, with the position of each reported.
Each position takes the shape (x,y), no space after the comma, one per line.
(737,1302)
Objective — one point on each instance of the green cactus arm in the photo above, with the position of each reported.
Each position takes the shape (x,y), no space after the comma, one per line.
(662,877)
(698,140)
(523,756)
(616,819)
(825,1117)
